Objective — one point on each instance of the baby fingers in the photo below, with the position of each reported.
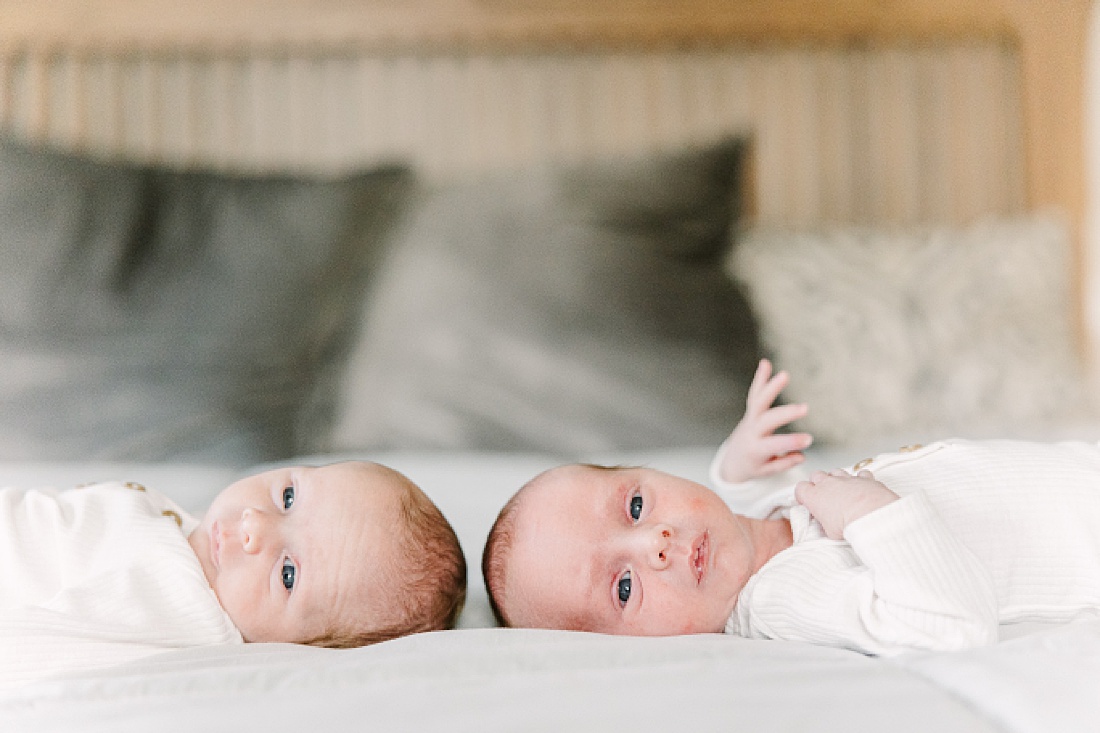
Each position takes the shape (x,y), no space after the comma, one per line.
(784,443)
(777,417)
(765,388)
(781,463)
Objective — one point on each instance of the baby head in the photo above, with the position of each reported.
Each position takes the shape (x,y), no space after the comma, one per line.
(340,555)
(617,550)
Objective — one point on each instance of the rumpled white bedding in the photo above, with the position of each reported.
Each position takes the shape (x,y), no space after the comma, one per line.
(479,678)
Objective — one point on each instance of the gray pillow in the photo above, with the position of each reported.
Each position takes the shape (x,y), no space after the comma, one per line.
(152,314)
(567,310)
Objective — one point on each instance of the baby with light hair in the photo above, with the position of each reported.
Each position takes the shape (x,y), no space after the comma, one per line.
(932,547)
(340,555)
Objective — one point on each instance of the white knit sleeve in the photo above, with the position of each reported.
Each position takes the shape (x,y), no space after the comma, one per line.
(903,581)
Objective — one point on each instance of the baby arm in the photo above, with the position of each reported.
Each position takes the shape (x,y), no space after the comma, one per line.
(753,449)
(901,580)
(837,499)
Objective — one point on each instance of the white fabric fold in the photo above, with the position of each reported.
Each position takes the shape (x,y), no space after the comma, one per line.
(98,575)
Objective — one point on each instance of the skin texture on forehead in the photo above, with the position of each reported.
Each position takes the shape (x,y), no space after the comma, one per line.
(574,539)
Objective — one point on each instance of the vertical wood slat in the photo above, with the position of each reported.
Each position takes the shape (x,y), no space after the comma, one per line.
(37,96)
(905,135)
(7,93)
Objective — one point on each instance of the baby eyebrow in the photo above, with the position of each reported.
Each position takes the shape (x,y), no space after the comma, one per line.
(601,588)
(583,616)
(614,505)
(591,576)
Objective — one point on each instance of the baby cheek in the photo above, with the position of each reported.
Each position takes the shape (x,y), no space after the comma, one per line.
(699,505)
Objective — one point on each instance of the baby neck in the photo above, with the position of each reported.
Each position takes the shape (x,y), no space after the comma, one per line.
(772,536)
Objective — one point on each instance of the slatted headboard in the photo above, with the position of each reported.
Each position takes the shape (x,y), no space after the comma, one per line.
(896,110)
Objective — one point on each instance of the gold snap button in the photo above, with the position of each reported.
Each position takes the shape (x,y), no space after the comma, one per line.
(134,486)
(910,448)
(173,515)
(863,464)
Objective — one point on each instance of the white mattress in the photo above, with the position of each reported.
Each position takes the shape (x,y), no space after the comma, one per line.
(481,678)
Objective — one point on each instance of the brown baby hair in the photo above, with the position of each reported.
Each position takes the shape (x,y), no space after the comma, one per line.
(498,547)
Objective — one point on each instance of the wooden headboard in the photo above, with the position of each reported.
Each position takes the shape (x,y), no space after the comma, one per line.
(1046,37)
(1050,35)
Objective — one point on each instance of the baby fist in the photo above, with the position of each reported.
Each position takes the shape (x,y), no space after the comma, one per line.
(836,499)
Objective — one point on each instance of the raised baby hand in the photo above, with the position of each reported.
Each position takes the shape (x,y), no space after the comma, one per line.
(753,449)
(836,499)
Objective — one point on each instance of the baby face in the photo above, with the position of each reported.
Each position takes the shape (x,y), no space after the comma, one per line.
(293,552)
(624,551)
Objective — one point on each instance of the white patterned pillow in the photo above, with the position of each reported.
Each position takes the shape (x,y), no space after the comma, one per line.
(925,333)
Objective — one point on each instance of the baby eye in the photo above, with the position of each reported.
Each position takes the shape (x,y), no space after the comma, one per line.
(636,507)
(289,574)
(625,584)
(288,497)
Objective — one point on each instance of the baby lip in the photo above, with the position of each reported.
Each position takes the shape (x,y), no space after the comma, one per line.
(699,556)
(215,544)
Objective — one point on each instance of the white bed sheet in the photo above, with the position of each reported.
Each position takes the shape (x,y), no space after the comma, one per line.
(501,679)
(479,678)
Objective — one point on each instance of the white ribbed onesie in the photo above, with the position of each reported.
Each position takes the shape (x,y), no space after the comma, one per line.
(98,575)
(986,533)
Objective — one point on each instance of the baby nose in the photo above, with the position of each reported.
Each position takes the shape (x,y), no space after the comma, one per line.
(660,547)
(254,530)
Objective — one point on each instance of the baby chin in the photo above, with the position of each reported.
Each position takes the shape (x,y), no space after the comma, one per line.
(205,550)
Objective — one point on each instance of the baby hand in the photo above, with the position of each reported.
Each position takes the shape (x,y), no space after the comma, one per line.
(753,450)
(837,499)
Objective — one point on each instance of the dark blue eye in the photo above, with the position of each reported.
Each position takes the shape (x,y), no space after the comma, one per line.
(288,497)
(624,588)
(636,507)
(289,574)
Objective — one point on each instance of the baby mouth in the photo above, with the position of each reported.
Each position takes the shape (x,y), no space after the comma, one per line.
(699,557)
(215,544)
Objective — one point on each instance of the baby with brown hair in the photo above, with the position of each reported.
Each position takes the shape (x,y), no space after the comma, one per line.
(340,555)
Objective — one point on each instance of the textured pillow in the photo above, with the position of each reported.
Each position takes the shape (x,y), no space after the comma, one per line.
(924,333)
(151,314)
(568,309)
